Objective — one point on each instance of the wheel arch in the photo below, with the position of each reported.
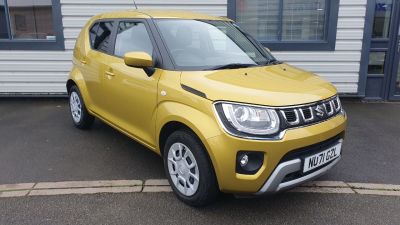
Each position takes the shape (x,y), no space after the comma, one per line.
(173,126)
(76,78)
(70,83)
(174,115)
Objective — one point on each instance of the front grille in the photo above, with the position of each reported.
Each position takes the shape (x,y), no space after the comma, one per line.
(336,104)
(328,107)
(311,113)
(291,116)
(307,113)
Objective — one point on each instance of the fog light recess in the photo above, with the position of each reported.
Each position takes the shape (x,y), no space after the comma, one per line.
(248,162)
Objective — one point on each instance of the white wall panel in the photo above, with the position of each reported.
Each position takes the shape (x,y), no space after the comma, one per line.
(348,45)
(342,65)
(337,56)
(46,71)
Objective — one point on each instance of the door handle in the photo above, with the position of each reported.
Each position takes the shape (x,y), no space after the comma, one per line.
(109,73)
(83,61)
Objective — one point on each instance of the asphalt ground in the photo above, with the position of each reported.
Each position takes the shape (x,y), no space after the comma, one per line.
(38,143)
(163,208)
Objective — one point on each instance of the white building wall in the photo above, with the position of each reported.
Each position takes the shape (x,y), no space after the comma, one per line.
(47,71)
(341,66)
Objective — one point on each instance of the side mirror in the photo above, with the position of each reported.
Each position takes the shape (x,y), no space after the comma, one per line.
(138,59)
(268,50)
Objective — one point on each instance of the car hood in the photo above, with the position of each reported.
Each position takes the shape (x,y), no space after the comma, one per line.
(274,85)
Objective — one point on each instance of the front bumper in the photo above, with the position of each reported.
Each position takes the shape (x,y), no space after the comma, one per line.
(281,157)
(276,182)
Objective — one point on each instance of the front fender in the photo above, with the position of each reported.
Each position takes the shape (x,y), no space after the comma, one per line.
(203,124)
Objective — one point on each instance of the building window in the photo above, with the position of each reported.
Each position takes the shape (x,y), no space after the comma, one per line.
(383,11)
(376,64)
(30,25)
(288,24)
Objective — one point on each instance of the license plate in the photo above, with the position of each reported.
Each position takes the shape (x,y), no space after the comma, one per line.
(322,158)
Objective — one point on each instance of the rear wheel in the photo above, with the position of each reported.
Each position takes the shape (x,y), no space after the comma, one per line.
(80,116)
(189,169)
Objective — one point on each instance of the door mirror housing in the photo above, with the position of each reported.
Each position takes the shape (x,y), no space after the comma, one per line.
(138,59)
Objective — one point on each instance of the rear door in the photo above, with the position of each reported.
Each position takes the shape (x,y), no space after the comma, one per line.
(95,63)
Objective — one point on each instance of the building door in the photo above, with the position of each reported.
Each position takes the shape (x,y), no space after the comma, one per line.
(382,35)
(394,82)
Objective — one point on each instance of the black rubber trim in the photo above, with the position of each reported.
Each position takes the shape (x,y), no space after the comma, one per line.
(312,149)
(256,160)
(194,91)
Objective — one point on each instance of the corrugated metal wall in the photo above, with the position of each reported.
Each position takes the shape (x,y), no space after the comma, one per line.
(46,71)
(341,66)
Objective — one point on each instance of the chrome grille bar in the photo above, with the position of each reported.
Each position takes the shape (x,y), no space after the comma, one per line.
(311,113)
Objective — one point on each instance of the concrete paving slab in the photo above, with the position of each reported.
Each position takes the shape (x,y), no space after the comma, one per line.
(82,184)
(157,189)
(375,186)
(67,191)
(12,187)
(323,190)
(156,182)
(377,192)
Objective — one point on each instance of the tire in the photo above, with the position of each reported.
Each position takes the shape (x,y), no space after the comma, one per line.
(201,191)
(79,114)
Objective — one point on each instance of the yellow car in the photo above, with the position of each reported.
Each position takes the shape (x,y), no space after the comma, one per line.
(224,114)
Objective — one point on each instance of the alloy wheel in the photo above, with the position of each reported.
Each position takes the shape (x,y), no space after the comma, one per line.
(76,107)
(183,169)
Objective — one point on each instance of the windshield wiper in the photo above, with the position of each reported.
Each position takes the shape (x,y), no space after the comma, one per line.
(233,66)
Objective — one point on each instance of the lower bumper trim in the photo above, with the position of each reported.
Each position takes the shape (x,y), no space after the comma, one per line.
(274,183)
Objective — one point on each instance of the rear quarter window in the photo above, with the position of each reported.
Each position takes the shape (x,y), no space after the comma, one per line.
(100,36)
(92,33)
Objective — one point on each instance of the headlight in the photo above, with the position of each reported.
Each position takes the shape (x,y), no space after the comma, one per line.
(253,120)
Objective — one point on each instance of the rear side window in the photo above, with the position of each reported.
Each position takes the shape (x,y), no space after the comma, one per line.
(100,35)
(92,33)
(132,36)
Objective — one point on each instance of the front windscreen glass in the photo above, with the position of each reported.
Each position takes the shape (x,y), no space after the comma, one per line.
(210,45)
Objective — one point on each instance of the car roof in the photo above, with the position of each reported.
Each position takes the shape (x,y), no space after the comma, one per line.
(131,14)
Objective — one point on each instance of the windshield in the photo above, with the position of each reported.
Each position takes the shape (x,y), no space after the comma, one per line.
(209,45)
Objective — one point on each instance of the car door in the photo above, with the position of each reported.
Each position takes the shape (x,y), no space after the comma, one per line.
(95,62)
(131,93)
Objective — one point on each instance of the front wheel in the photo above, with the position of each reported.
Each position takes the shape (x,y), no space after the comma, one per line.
(189,170)
(80,116)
